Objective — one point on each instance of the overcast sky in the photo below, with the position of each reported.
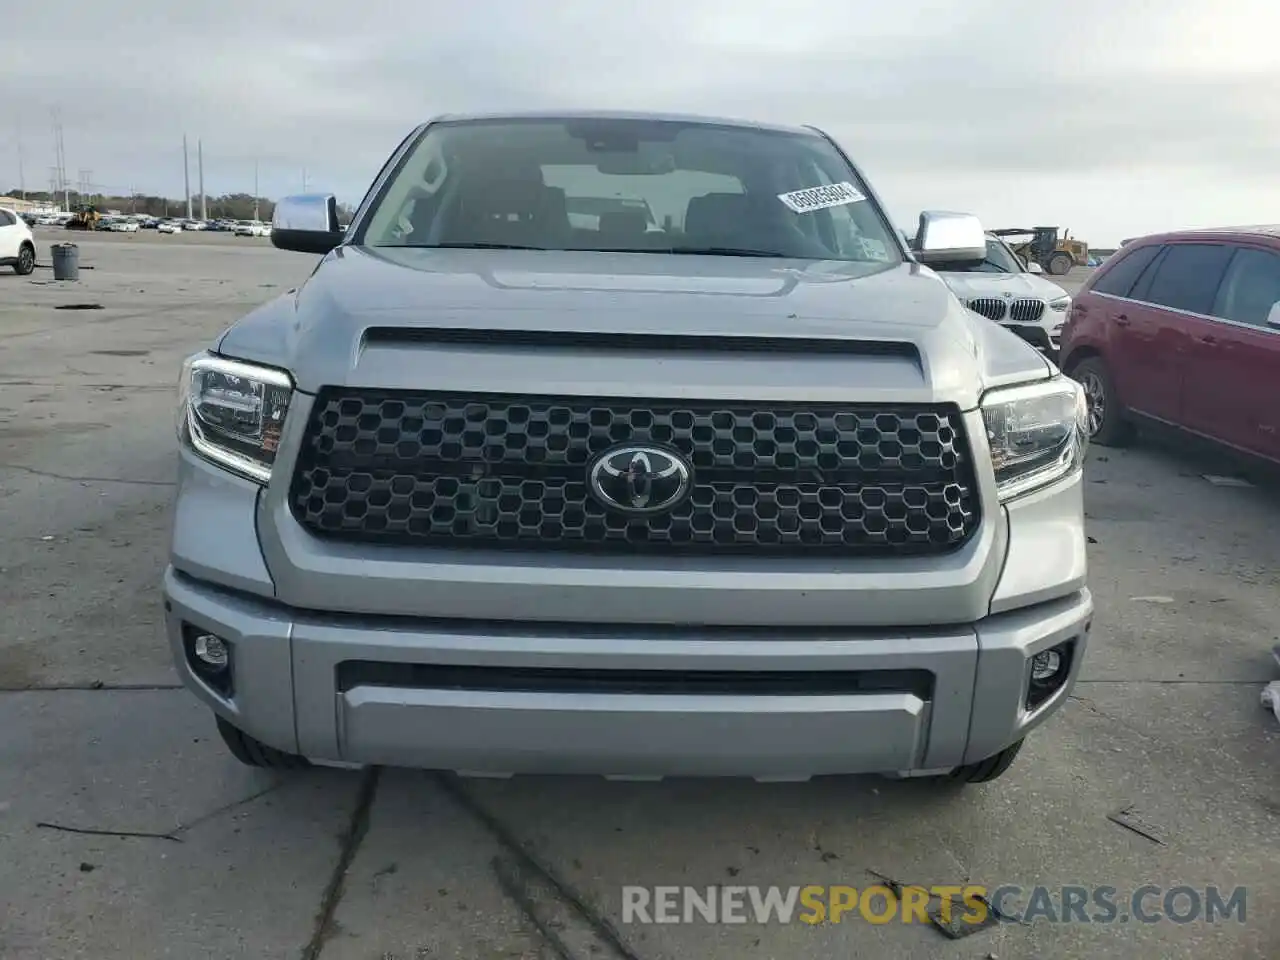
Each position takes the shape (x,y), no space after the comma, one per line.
(1110,117)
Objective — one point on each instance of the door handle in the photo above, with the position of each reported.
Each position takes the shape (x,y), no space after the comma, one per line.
(1209,340)
(1122,320)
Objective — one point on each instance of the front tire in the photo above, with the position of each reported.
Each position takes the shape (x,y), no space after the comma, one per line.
(1060,264)
(255,753)
(1109,425)
(26,260)
(984,771)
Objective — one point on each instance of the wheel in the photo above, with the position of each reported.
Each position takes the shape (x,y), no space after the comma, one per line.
(255,753)
(26,260)
(1060,264)
(1108,425)
(984,771)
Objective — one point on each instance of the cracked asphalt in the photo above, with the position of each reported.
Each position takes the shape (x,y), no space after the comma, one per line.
(126,829)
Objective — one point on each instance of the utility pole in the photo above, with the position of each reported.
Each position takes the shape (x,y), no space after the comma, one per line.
(204,210)
(22,172)
(255,192)
(60,154)
(186,175)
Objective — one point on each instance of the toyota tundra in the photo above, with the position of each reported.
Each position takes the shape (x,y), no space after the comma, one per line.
(722,481)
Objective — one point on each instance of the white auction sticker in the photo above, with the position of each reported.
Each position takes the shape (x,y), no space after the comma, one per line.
(819,198)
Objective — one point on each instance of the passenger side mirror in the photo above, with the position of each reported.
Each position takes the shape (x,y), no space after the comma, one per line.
(1273,318)
(307,223)
(950,237)
(1033,267)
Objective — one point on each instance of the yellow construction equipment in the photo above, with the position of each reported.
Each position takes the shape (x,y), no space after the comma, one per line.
(1043,246)
(85,217)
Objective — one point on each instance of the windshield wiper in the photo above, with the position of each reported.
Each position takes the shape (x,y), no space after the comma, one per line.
(462,245)
(724,252)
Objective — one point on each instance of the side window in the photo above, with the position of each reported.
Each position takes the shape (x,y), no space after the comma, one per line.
(6,219)
(1188,277)
(1251,287)
(1120,278)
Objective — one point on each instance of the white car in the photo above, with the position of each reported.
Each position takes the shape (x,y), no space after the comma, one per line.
(1003,289)
(124,226)
(169,226)
(253,228)
(195,225)
(17,245)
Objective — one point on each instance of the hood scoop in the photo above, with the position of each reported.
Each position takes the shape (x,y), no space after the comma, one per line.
(637,342)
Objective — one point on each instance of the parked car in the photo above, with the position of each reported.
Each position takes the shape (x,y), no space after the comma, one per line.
(169,226)
(755,495)
(252,228)
(1002,288)
(17,244)
(1183,329)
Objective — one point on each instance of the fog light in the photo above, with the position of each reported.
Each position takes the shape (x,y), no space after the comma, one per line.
(211,651)
(1044,665)
(1047,673)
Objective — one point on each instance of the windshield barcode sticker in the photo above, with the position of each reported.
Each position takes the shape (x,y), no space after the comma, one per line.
(819,198)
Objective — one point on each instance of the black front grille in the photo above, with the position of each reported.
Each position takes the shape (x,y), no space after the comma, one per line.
(1026,311)
(493,470)
(990,307)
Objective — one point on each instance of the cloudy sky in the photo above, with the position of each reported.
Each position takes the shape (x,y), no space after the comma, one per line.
(1110,117)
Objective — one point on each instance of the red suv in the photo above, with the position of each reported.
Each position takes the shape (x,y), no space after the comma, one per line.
(1183,329)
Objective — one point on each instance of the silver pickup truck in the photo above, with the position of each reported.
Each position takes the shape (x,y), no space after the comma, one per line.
(722,482)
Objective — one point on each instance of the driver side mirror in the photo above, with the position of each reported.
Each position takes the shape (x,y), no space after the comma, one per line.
(1034,267)
(307,223)
(950,237)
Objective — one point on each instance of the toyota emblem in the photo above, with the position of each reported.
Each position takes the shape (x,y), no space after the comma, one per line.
(639,480)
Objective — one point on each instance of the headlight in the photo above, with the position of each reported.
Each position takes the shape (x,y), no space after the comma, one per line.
(1038,433)
(1061,305)
(232,413)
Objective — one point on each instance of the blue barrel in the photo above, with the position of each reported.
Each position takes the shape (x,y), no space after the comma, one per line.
(66,261)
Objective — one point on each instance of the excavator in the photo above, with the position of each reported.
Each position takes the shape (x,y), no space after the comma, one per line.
(84,217)
(1042,245)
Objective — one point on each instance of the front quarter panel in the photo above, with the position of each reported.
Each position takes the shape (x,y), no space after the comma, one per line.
(268,334)
(1004,357)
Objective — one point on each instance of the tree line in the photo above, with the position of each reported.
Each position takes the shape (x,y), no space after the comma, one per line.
(230,206)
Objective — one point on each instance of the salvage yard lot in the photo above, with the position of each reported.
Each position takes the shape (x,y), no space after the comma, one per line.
(230,862)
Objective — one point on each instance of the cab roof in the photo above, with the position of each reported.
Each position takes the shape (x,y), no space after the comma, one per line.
(628,115)
(1264,231)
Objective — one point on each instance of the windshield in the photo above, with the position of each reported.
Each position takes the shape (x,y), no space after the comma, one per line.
(630,185)
(999,259)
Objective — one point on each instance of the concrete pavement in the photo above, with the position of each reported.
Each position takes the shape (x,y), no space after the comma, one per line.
(221,861)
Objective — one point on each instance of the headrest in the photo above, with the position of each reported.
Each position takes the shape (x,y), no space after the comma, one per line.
(716,212)
(623,221)
(485,196)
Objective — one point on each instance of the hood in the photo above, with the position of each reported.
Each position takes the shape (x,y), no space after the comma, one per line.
(967,286)
(526,321)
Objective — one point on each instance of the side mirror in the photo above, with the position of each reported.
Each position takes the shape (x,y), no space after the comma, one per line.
(950,237)
(307,223)
(1273,317)
(1034,267)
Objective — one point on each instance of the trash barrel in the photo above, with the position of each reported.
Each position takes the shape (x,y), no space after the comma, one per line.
(66,261)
